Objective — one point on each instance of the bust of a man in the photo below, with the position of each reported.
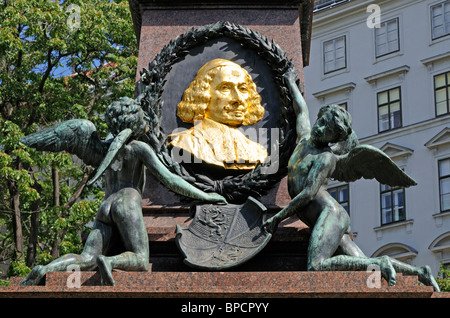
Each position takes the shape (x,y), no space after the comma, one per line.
(221,98)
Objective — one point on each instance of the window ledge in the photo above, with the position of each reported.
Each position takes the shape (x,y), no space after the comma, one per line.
(430,60)
(399,71)
(387,56)
(347,87)
(438,217)
(439,39)
(407,223)
(441,214)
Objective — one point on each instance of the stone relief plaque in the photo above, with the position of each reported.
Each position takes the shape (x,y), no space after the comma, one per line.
(223,236)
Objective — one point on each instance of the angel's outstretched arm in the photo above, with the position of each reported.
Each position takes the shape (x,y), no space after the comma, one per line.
(175,183)
(317,177)
(303,125)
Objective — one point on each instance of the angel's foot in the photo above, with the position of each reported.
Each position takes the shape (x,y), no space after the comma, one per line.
(387,270)
(105,269)
(426,278)
(35,276)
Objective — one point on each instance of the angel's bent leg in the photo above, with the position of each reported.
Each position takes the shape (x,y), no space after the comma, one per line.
(127,215)
(94,246)
(348,247)
(328,234)
(424,273)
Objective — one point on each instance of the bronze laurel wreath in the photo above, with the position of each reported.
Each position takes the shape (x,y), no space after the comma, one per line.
(236,188)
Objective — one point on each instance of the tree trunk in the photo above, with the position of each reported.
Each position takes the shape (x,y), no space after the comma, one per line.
(75,196)
(17,217)
(17,220)
(34,228)
(55,177)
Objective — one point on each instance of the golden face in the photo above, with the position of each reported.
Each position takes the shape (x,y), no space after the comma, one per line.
(221,97)
(222,91)
(229,97)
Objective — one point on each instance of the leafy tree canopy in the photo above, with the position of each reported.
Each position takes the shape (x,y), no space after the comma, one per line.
(59,60)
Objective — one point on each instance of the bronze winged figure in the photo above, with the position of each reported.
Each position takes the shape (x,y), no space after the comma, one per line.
(123,160)
(312,164)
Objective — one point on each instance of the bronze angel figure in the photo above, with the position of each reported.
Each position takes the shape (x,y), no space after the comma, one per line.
(311,165)
(123,159)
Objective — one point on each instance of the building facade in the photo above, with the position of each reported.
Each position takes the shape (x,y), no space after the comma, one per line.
(388,64)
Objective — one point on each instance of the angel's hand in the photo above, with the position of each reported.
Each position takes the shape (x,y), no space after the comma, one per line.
(214,197)
(290,76)
(272,223)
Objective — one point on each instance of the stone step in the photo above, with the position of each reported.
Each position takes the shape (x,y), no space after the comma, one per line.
(222,284)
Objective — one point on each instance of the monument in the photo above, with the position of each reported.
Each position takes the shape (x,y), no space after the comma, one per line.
(212,155)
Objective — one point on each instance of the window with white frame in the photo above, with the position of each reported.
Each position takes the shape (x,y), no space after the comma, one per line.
(392,204)
(334,54)
(341,195)
(440,19)
(387,38)
(442,93)
(444,184)
(389,109)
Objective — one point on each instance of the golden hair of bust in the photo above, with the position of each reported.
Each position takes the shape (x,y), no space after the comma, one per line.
(196,97)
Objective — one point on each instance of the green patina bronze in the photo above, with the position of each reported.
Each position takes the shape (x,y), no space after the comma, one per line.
(329,149)
(311,165)
(123,159)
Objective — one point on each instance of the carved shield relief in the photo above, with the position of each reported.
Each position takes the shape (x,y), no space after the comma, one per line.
(223,236)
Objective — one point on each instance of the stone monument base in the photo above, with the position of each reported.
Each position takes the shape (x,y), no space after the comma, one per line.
(296,284)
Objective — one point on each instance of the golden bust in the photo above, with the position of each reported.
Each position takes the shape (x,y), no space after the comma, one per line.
(221,98)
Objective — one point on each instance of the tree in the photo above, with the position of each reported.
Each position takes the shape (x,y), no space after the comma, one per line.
(443,278)
(60,60)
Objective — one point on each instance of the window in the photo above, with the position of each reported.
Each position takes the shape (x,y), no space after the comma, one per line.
(392,204)
(389,109)
(334,55)
(387,38)
(444,184)
(440,19)
(341,195)
(442,93)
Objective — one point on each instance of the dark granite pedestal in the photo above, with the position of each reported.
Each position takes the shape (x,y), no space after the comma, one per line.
(286,251)
(290,284)
(277,272)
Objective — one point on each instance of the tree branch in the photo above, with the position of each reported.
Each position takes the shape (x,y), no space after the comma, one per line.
(77,193)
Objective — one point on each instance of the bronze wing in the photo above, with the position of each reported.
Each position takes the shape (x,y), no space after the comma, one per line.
(76,136)
(368,162)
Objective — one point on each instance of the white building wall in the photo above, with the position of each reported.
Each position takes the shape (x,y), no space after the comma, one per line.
(422,237)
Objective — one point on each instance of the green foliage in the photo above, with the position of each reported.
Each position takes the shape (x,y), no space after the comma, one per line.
(18,268)
(443,279)
(51,72)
